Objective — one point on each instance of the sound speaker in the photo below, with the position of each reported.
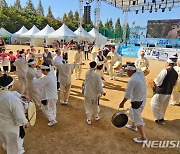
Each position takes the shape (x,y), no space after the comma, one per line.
(151,45)
(168,46)
(137,44)
(87,14)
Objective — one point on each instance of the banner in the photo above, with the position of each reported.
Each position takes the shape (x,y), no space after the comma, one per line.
(150,52)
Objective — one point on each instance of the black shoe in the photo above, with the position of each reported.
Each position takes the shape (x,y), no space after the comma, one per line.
(162,120)
(158,121)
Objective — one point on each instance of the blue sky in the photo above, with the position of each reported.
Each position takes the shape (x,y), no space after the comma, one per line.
(59,7)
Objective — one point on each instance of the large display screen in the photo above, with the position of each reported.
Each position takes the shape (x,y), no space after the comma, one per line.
(163,28)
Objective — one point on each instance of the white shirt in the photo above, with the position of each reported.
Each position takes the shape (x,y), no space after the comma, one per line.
(136,87)
(141,62)
(57,60)
(159,80)
(21,66)
(78,58)
(11,112)
(65,71)
(6,61)
(47,86)
(31,73)
(93,84)
(114,57)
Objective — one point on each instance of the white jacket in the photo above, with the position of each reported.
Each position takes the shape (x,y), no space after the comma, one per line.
(47,86)
(11,112)
(31,73)
(93,84)
(21,66)
(114,57)
(78,57)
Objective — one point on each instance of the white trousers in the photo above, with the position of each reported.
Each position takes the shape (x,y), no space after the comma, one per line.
(22,82)
(34,93)
(78,70)
(91,106)
(176,96)
(50,109)
(159,104)
(64,92)
(112,71)
(135,115)
(11,142)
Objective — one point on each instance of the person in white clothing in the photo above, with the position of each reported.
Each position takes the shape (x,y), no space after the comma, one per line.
(100,61)
(165,82)
(93,88)
(78,60)
(65,72)
(34,93)
(114,58)
(21,66)
(48,92)
(176,89)
(58,60)
(11,118)
(142,61)
(6,64)
(136,92)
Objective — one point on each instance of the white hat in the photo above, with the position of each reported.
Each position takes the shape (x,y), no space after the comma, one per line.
(170,61)
(133,68)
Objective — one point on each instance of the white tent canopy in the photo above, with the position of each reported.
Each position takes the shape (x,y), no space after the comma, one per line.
(21,31)
(63,33)
(4,33)
(99,38)
(31,32)
(44,32)
(82,33)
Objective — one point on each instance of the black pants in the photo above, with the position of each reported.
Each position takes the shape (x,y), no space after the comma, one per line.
(57,76)
(86,55)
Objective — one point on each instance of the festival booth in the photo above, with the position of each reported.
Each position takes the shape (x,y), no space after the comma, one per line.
(83,35)
(5,35)
(39,38)
(29,34)
(63,33)
(16,39)
(98,38)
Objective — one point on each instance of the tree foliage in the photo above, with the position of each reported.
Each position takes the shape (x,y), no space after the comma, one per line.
(49,14)
(40,9)
(3,4)
(29,6)
(17,5)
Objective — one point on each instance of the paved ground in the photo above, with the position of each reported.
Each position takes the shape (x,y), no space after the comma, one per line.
(73,135)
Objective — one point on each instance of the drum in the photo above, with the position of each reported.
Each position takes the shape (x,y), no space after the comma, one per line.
(30,112)
(150,88)
(117,65)
(145,70)
(119,119)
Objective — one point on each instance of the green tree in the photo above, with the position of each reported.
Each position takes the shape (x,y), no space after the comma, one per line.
(111,23)
(49,14)
(118,24)
(76,16)
(29,6)
(40,9)
(17,5)
(107,24)
(70,16)
(64,19)
(101,24)
(3,4)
